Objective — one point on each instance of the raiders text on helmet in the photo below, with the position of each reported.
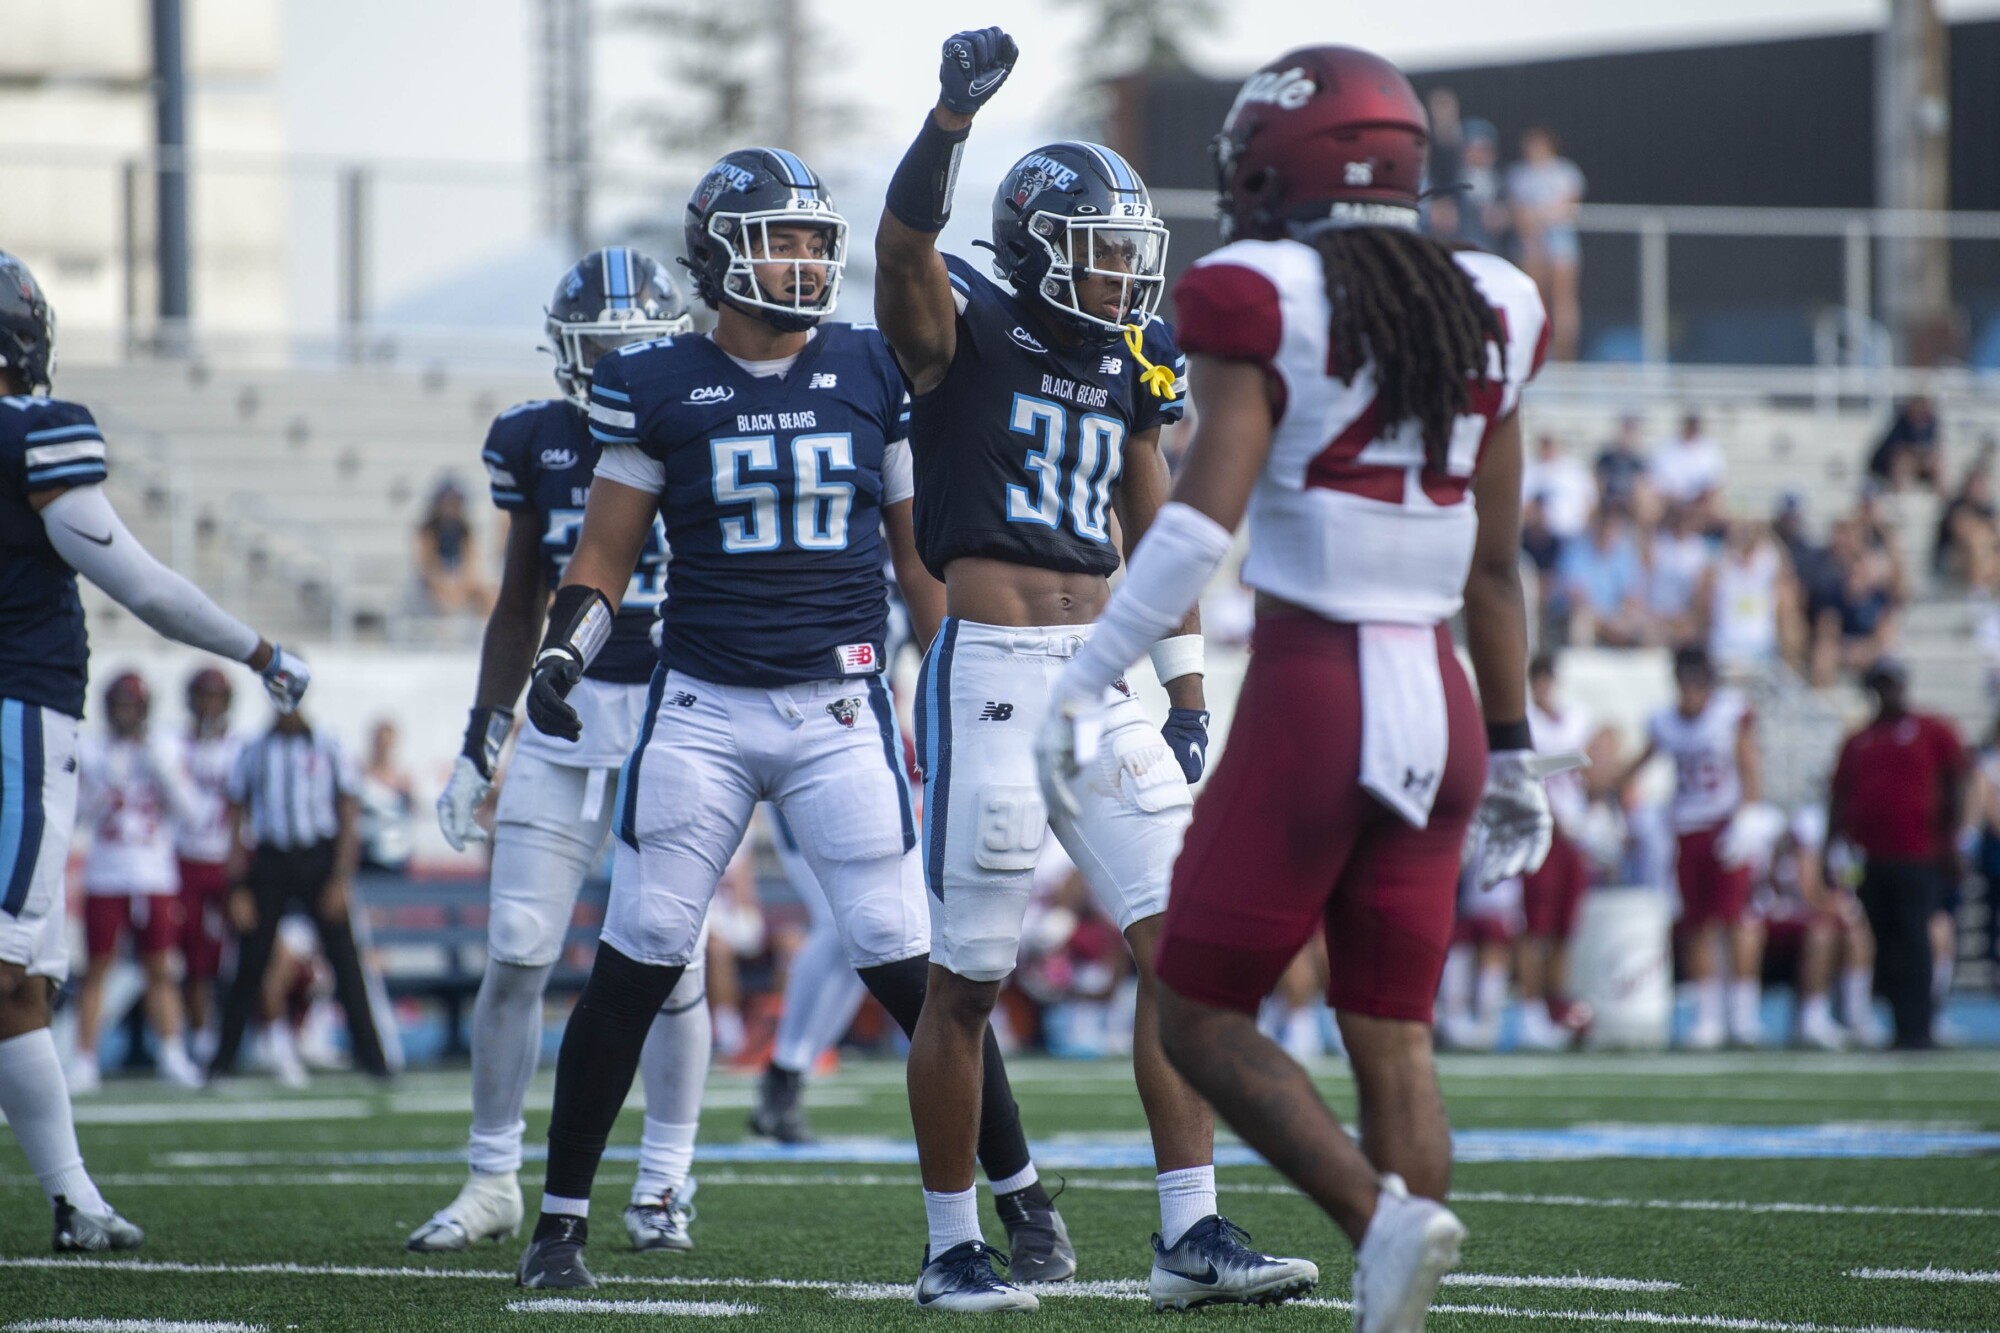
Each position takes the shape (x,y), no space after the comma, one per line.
(731,215)
(1074,211)
(1322,136)
(27,326)
(612,297)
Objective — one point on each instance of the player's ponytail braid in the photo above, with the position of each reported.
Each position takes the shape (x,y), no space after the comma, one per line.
(1399,297)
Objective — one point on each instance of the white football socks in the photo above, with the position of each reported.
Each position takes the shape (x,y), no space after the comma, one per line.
(1186,1197)
(822,994)
(953,1219)
(506,1047)
(34,1098)
(673,1067)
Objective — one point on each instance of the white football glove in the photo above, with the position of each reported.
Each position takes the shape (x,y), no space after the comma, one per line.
(1067,740)
(1511,832)
(459,802)
(1751,837)
(285,678)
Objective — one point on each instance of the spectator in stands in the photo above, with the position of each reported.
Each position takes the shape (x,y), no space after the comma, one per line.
(1749,603)
(1621,472)
(1604,581)
(447,556)
(1447,150)
(1678,557)
(1690,469)
(1818,580)
(1858,624)
(388,800)
(1897,795)
(1968,536)
(1908,453)
(1483,220)
(1543,550)
(1567,490)
(1545,190)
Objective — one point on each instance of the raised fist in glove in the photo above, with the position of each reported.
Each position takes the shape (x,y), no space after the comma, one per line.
(975,65)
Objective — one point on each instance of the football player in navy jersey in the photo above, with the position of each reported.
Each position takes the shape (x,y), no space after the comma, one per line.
(56,523)
(775,452)
(554,815)
(1036,407)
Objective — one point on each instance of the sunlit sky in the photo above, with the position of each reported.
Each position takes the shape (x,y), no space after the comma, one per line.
(454,80)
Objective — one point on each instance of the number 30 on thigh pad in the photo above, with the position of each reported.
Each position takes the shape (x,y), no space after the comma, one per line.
(1012,823)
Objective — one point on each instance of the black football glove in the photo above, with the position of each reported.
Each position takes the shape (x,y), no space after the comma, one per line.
(557,671)
(1186,733)
(975,65)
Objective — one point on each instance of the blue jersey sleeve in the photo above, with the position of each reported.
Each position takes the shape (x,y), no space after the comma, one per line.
(56,444)
(506,458)
(1155,409)
(613,416)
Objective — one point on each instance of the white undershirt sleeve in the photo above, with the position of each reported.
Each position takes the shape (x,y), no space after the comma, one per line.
(87,533)
(1176,558)
(899,475)
(629,465)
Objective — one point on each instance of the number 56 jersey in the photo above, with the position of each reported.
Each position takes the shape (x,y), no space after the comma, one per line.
(1348,519)
(772,480)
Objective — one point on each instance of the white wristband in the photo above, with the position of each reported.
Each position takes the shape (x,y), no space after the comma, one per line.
(1179,656)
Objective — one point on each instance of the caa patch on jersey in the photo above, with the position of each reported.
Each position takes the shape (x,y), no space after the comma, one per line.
(46,444)
(1020,448)
(540,458)
(771,492)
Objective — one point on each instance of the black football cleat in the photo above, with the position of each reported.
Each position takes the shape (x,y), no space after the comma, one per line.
(78,1232)
(778,1114)
(1037,1237)
(554,1258)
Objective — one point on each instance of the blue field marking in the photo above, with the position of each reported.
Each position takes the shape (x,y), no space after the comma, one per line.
(1079,1152)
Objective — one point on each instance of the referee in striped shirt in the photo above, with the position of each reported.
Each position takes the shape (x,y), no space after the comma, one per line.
(294,796)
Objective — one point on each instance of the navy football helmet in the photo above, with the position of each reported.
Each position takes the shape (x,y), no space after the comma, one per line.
(1072,211)
(730,216)
(27,326)
(612,297)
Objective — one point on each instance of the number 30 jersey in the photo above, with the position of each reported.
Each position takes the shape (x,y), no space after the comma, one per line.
(1019,448)
(772,480)
(540,458)
(1347,519)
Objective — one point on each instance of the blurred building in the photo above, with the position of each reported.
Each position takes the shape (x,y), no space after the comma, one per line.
(77,195)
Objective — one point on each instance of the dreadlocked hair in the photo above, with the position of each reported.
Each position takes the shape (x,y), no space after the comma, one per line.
(1399,297)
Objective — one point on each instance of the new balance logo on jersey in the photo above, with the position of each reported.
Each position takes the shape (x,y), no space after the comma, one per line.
(713,393)
(823,380)
(1025,339)
(857,659)
(558,458)
(844,711)
(996,712)
(1111,365)
(682,699)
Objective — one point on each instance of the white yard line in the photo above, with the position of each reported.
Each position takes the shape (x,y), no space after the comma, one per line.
(1923,1274)
(687,1309)
(1121,1290)
(128,1326)
(1720,1205)
(191,1110)
(1573,1282)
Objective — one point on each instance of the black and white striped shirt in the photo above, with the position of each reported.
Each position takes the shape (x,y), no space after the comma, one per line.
(290,789)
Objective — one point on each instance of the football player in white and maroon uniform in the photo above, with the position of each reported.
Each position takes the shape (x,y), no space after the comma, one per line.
(129,795)
(1551,896)
(204,757)
(1711,735)
(1373,437)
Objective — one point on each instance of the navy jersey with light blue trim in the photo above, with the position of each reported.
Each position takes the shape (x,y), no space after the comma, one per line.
(1019,448)
(540,458)
(772,499)
(46,444)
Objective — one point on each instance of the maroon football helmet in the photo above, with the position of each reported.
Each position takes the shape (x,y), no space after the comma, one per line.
(1321,135)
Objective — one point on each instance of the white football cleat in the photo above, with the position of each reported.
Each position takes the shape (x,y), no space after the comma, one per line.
(82,1074)
(488,1208)
(1213,1264)
(175,1066)
(963,1280)
(1821,1033)
(1409,1246)
(1705,1037)
(662,1223)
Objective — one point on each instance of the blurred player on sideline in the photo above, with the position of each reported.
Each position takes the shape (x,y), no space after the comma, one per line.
(205,755)
(1711,735)
(774,450)
(1358,388)
(130,798)
(555,809)
(1552,895)
(1035,420)
(57,523)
